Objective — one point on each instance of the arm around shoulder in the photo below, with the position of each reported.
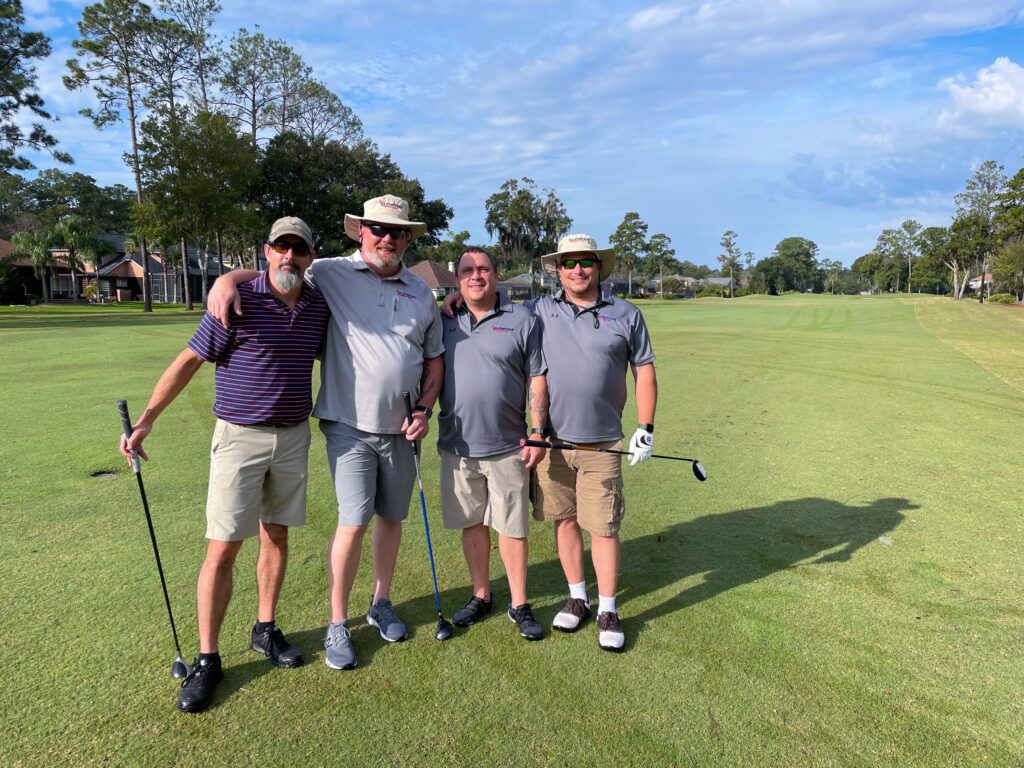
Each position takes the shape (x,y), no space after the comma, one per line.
(224,298)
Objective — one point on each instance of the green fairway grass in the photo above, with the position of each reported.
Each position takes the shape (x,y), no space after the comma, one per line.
(845,589)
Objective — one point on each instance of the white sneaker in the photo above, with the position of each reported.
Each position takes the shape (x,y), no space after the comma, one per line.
(573,613)
(609,632)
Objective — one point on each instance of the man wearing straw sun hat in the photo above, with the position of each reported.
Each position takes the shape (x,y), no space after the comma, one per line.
(384,339)
(589,339)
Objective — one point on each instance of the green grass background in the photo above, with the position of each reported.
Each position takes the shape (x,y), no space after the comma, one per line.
(845,590)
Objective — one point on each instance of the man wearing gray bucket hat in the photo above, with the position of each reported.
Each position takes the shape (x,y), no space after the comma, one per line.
(590,338)
(384,339)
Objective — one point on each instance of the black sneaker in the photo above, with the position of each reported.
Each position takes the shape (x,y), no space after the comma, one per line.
(473,611)
(271,642)
(197,688)
(529,627)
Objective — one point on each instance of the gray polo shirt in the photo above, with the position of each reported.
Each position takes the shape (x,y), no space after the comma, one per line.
(380,331)
(487,369)
(588,352)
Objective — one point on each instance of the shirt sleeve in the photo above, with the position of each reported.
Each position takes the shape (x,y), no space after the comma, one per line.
(210,341)
(535,362)
(433,339)
(640,352)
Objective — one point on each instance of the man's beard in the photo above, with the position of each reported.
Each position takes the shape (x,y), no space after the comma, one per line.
(288,279)
(378,261)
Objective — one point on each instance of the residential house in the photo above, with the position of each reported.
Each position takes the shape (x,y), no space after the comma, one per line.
(441,281)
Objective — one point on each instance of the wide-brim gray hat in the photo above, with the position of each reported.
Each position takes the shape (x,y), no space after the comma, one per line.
(579,244)
(386,209)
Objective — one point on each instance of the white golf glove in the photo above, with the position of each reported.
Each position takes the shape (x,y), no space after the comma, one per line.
(641,446)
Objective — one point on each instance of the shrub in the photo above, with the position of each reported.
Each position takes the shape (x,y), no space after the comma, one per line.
(1002,298)
(743,292)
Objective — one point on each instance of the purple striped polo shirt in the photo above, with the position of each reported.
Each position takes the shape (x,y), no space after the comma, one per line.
(265,362)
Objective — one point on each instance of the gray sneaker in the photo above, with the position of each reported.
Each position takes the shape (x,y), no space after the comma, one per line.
(382,615)
(338,644)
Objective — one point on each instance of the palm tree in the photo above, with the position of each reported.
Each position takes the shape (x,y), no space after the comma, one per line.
(81,241)
(36,246)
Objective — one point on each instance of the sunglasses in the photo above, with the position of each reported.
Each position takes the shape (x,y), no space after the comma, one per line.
(379,230)
(283,246)
(585,263)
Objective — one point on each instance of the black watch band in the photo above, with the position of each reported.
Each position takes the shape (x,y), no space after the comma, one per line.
(648,427)
(424,410)
(537,431)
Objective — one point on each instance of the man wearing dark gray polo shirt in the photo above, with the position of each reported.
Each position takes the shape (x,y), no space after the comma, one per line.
(492,359)
(590,340)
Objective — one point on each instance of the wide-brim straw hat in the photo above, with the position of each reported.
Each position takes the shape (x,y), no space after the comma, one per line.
(386,209)
(579,243)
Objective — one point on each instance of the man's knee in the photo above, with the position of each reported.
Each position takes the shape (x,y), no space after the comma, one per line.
(221,555)
(275,534)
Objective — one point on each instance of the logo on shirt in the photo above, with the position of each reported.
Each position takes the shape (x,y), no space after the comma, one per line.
(405,295)
(606,318)
(501,329)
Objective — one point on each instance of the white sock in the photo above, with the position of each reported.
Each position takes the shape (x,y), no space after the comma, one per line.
(606,604)
(579,592)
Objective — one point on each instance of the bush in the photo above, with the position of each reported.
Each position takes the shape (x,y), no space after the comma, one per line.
(1002,298)
(743,292)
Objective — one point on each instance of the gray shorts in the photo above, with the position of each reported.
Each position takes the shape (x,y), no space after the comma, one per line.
(373,474)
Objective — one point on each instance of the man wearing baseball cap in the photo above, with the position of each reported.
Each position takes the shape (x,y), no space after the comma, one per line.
(258,458)
(590,338)
(384,339)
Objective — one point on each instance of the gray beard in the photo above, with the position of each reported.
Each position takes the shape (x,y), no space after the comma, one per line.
(287,280)
(379,263)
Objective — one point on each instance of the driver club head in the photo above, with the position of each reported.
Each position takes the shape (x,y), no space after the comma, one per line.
(444,629)
(699,472)
(179,669)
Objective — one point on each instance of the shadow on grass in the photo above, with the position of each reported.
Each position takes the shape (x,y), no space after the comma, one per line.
(728,549)
(740,547)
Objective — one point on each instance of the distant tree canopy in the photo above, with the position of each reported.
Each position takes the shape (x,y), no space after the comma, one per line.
(791,267)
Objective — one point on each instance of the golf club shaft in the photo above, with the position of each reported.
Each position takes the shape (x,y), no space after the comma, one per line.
(571,447)
(126,423)
(423,502)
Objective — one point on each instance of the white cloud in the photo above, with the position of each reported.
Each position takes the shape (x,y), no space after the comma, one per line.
(995,98)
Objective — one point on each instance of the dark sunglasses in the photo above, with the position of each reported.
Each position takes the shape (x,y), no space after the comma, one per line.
(379,230)
(585,263)
(283,246)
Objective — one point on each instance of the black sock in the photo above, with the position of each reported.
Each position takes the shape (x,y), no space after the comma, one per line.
(263,626)
(210,658)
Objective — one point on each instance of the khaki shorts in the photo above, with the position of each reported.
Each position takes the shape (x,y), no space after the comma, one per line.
(256,474)
(494,491)
(581,484)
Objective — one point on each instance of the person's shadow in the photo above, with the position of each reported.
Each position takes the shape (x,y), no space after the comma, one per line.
(743,546)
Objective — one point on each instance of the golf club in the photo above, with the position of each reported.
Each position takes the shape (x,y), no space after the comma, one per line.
(698,469)
(444,628)
(179,669)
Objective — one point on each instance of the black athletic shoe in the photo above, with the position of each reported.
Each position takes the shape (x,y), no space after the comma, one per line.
(272,642)
(529,627)
(197,688)
(473,611)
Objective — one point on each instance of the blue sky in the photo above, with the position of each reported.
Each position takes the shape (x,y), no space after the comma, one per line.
(773,119)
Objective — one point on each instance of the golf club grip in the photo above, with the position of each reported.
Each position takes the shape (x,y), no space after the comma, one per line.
(126,421)
(545,444)
(126,425)
(407,399)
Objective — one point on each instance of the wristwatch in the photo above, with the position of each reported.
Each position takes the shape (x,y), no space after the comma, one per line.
(537,431)
(424,410)
(648,427)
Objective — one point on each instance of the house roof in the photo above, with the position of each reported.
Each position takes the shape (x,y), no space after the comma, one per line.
(434,275)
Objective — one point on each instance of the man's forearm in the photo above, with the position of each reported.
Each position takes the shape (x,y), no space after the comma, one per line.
(646,393)
(538,397)
(431,381)
(171,383)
